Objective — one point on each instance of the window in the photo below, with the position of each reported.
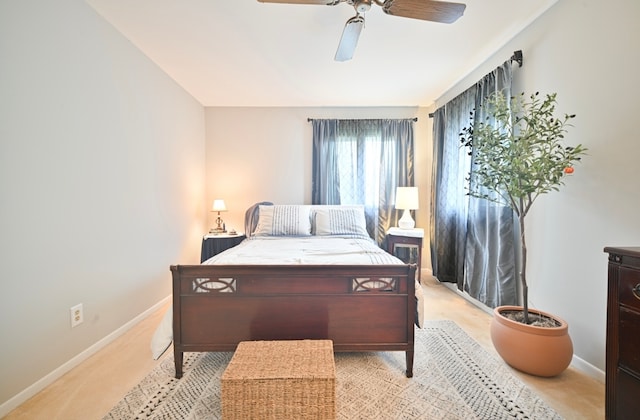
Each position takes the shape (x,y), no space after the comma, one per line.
(362,162)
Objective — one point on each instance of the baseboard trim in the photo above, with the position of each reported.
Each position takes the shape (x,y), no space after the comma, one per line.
(57,373)
(588,369)
(453,287)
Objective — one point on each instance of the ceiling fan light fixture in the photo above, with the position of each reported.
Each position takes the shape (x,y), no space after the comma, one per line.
(362,6)
(349,39)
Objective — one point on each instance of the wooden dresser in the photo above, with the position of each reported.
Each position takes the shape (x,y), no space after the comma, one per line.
(623,334)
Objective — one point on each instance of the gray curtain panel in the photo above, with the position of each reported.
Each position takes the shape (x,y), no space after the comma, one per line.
(362,162)
(472,240)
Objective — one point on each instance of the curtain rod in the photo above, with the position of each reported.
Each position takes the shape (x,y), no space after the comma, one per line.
(414,119)
(517,57)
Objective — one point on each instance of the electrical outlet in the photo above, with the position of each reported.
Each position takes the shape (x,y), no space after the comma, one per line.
(76,315)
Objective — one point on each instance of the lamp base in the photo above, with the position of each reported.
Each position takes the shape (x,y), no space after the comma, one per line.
(406,221)
(216,231)
(220,227)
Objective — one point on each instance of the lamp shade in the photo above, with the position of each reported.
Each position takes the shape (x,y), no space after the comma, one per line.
(218,205)
(407,198)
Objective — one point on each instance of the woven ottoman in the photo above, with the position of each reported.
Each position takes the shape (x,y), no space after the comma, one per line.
(291,379)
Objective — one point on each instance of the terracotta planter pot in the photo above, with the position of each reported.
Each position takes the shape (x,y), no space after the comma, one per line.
(539,351)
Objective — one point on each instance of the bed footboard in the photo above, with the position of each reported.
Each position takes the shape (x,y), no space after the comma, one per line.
(359,307)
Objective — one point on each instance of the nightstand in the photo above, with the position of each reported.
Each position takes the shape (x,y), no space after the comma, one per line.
(406,244)
(215,244)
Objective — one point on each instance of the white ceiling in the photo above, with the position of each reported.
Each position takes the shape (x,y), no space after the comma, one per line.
(246,53)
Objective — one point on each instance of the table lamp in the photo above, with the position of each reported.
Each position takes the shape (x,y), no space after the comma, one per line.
(407,200)
(219,206)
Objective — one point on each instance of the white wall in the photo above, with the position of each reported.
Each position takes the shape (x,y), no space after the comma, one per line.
(587,51)
(102,184)
(264,154)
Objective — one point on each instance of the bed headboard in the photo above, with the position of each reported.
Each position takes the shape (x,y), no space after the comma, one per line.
(251,217)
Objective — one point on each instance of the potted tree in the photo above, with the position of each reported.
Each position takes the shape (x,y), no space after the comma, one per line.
(518,155)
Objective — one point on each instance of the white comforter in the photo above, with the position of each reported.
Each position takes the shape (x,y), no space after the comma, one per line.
(306,250)
(337,250)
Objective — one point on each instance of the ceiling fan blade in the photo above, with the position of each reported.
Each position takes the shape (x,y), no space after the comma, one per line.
(435,11)
(349,39)
(321,2)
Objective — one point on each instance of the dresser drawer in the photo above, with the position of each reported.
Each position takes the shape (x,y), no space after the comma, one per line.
(629,340)
(627,403)
(629,290)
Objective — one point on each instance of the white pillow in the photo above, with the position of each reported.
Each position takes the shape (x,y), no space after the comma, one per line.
(337,220)
(283,220)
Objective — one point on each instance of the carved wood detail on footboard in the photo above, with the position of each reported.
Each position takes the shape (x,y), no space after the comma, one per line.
(380,284)
(360,308)
(217,285)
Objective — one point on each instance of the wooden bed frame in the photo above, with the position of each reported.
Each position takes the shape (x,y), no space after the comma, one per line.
(359,307)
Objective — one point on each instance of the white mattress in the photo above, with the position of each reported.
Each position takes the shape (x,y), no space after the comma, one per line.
(311,250)
(307,250)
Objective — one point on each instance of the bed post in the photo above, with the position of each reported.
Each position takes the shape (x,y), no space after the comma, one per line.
(177,342)
(409,357)
(411,293)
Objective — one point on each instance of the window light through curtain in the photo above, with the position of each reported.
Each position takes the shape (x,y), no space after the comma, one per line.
(362,162)
(472,240)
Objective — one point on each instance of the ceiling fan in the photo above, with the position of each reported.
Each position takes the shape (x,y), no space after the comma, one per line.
(435,11)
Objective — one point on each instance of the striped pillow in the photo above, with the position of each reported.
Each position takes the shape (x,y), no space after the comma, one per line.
(340,221)
(283,220)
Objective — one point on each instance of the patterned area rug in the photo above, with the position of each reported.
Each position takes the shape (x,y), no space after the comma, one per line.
(454,378)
